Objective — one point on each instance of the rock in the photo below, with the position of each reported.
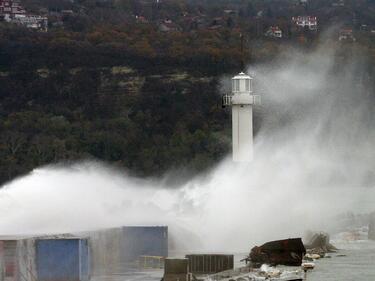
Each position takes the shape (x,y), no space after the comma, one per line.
(307,258)
(312,256)
(308,266)
(269,272)
(318,243)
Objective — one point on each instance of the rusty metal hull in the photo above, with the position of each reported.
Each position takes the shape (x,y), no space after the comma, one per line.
(284,252)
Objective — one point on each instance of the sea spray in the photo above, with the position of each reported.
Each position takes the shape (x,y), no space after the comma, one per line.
(313,160)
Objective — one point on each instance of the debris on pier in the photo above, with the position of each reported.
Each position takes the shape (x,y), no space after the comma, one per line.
(210,263)
(265,272)
(281,252)
(176,270)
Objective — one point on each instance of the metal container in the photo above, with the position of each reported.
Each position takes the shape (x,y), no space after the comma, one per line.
(117,249)
(26,268)
(105,246)
(9,260)
(176,266)
(144,241)
(209,264)
(17,259)
(176,270)
(62,259)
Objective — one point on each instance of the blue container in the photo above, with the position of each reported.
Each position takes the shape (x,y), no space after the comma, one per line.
(62,259)
(144,241)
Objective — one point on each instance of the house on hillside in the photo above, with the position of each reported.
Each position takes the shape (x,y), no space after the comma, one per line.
(305,22)
(13,12)
(274,32)
(141,19)
(346,35)
(10,8)
(32,21)
(168,26)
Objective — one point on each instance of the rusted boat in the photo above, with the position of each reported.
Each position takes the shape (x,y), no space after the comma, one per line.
(281,252)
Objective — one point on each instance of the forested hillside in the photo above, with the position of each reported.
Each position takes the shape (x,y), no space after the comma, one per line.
(68,98)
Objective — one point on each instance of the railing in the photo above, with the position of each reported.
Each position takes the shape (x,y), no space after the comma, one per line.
(226,100)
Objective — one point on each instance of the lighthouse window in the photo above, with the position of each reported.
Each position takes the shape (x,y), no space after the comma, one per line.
(236,85)
(247,85)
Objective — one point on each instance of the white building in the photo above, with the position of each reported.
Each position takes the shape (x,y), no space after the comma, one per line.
(32,21)
(310,22)
(242,101)
(275,32)
(12,11)
(346,35)
(11,8)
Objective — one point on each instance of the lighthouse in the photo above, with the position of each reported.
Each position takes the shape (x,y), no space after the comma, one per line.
(242,101)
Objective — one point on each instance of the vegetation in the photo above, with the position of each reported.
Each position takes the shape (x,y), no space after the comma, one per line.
(105,85)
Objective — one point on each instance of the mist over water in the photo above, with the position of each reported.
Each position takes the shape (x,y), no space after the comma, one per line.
(314,159)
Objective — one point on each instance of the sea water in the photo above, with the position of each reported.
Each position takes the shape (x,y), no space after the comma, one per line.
(355,261)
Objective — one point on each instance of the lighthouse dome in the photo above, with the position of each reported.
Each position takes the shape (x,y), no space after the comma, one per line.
(242,83)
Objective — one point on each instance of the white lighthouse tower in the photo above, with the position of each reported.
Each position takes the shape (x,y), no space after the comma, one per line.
(242,101)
